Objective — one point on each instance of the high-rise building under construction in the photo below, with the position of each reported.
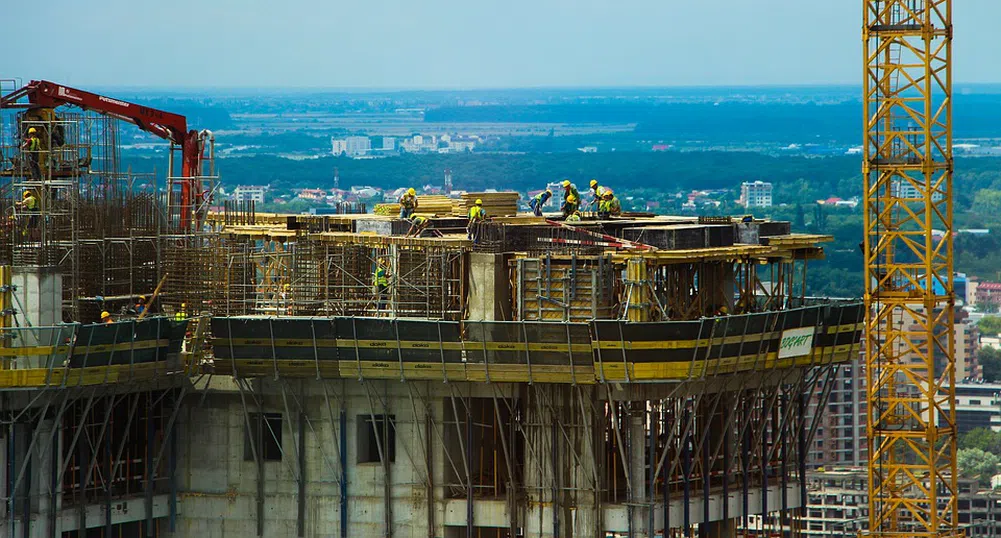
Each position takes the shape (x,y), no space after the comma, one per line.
(290,375)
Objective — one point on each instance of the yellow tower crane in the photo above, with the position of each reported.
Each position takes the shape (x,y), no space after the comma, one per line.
(910,343)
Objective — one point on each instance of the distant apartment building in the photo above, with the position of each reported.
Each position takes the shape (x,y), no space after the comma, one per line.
(352,146)
(388,143)
(358,145)
(907,190)
(988,296)
(249,193)
(966,338)
(312,194)
(838,505)
(978,405)
(339,146)
(756,194)
(462,144)
(840,437)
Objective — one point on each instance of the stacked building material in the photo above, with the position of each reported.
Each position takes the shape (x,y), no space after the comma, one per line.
(433,204)
(496,204)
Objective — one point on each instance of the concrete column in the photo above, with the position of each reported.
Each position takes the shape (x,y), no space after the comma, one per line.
(637,471)
(584,520)
(37,302)
(41,480)
(38,298)
(489,296)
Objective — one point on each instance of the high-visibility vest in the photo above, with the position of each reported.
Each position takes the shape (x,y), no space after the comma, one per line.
(34,144)
(571,190)
(477,213)
(380,277)
(31,203)
(420,221)
(408,201)
(180,316)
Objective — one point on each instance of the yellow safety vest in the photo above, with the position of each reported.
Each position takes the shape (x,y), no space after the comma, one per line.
(477,213)
(380,277)
(34,144)
(31,203)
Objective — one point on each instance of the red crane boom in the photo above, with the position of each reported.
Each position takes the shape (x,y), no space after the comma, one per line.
(166,125)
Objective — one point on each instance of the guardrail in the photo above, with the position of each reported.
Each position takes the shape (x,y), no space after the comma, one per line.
(552,352)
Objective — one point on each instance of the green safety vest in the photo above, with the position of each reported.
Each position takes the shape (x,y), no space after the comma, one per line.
(180,316)
(380,277)
(477,213)
(31,203)
(573,191)
(34,144)
(420,221)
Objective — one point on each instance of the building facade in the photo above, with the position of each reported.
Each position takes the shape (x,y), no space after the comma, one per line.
(756,194)
(840,437)
(250,193)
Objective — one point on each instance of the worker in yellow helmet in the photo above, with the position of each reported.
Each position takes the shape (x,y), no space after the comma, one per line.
(569,189)
(477,215)
(32,150)
(29,205)
(570,205)
(609,205)
(380,279)
(106,317)
(538,201)
(575,217)
(408,203)
(140,304)
(597,193)
(418,224)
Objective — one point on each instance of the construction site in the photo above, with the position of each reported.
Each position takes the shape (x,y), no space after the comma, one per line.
(176,368)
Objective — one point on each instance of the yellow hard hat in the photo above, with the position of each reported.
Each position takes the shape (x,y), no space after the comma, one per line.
(566,183)
(608,194)
(32,130)
(184,305)
(549,192)
(105,315)
(411,191)
(571,198)
(724,309)
(25,194)
(594,183)
(479,202)
(142,297)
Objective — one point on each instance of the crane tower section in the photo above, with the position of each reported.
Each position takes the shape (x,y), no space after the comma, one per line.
(908,254)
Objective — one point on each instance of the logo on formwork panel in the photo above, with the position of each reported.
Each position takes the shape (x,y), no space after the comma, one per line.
(796,342)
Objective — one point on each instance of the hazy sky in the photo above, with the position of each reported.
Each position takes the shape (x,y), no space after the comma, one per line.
(459,43)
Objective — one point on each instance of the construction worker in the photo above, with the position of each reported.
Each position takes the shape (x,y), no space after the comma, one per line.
(29,204)
(570,205)
(575,217)
(609,205)
(408,203)
(140,304)
(418,224)
(569,189)
(538,201)
(597,194)
(380,279)
(32,149)
(477,215)
(106,317)
(182,313)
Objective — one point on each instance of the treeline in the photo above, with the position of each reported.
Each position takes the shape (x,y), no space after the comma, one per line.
(974,116)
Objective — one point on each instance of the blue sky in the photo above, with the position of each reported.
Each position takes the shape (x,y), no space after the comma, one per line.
(459,43)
